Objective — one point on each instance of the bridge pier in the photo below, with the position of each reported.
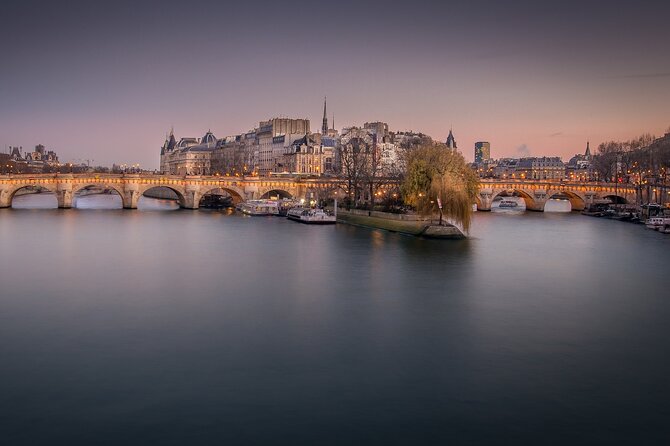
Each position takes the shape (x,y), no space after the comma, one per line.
(64,195)
(5,198)
(130,198)
(485,200)
(536,206)
(538,201)
(191,199)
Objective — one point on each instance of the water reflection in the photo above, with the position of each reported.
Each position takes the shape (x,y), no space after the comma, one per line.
(42,200)
(156,204)
(128,327)
(98,201)
(552,205)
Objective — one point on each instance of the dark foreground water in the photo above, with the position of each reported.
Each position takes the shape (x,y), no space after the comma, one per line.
(194,327)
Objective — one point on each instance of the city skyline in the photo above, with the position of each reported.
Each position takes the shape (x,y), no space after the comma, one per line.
(106,84)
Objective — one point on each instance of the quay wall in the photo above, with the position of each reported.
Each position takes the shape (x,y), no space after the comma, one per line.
(413,225)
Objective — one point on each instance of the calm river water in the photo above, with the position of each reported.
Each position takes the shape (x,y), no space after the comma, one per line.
(152,327)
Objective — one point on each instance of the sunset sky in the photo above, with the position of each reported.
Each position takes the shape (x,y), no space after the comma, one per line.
(106,81)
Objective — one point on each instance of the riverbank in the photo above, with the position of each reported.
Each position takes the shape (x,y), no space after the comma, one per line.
(407,224)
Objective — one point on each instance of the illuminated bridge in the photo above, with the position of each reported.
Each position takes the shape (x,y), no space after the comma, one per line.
(190,189)
(536,193)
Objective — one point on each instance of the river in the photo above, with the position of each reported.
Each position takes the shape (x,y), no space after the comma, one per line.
(151,327)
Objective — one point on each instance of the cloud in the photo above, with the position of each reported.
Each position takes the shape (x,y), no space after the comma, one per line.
(523,150)
(556,134)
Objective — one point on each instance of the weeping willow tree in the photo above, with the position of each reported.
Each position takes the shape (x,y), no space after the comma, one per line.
(436,172)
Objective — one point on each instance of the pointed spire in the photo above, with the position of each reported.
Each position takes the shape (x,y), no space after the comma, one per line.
(451,141)
(588,150)
(171,143)
(324,126)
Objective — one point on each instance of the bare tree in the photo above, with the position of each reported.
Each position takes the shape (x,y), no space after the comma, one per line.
(606,159)
(353,154)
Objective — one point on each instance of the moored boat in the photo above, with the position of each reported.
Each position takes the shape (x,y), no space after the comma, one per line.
(508,204)
(316,216)
(657,223)
(216,202)
(286,204)
(259,207)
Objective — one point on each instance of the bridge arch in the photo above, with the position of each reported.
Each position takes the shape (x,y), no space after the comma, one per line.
(616,199)
(118,190)
(236,193)
(275,192)
(577,201)
(178,190)
(7,195)
(81,186)
(525,195)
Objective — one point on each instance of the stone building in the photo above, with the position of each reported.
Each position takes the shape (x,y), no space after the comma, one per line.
(309,155)
(505,168)
(233,155)
(38,160)
(272,139)
(190,156)
(544,168)
(580,167)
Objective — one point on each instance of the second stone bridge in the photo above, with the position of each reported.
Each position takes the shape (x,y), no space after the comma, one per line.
(536,193)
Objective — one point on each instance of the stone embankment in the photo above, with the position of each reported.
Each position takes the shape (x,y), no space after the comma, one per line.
(408,224)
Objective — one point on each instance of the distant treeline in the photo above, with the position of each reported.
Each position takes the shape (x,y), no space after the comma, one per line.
(640,159)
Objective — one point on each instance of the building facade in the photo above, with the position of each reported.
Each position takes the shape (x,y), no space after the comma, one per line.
(38,160)
(190,156)
(272,139)
(308,156)
(580,167)
(544,168)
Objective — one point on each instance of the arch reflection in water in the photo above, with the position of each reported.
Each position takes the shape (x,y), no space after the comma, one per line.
(97,197)
(34,197)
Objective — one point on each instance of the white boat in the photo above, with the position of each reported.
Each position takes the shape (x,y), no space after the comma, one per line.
(259,207)
(316,216)
(657,223)
(285,204)
(508,204)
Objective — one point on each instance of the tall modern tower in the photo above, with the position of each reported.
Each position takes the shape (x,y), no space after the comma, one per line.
(482,151)
(324,126)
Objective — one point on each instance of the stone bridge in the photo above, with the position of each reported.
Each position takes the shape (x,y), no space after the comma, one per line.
(189,189)
(536,193)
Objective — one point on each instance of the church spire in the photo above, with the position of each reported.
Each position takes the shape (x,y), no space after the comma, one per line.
(588,150)
(324,126)
(451,141)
